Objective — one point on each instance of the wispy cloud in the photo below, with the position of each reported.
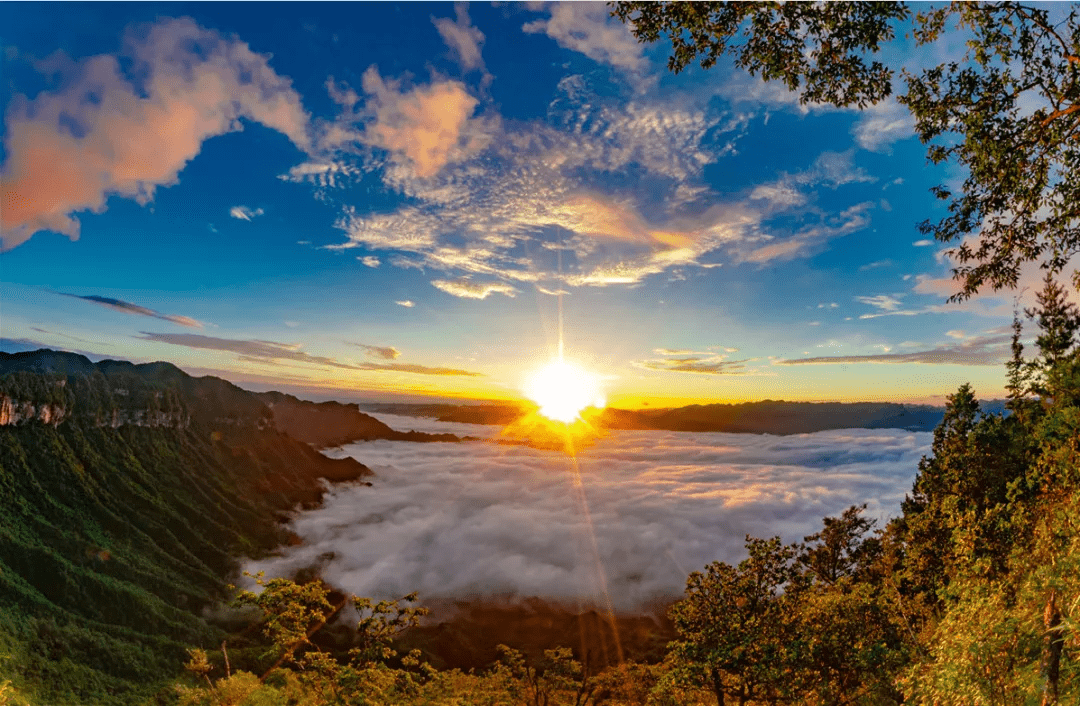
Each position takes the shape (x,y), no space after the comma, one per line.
(830,169)
(529,183)
(467,289)
(370,261)
(588,28)
(384,352)
(407,303)
(129,308)
(322,174)
(499,199)
(244,213)
(983,351)
(810,239)
(881,125)
(417,369)
(883,302)
(463,39)
(273,352)
(251,349)
(193,84)
(687,361)
(875,265)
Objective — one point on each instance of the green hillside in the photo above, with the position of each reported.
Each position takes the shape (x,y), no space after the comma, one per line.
(114,539)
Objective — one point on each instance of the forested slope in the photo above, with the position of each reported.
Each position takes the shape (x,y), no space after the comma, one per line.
(126,495)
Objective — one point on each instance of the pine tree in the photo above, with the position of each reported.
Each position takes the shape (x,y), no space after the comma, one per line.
(1058,320)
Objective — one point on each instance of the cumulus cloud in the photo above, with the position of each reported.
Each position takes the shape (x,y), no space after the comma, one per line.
(463,39)
(244,213)
(588,28)
(983,351)
(923,243)
(423,127)
(129,308)
(370,261)
(125,125)
(467,289)
(473,520)
(384,352)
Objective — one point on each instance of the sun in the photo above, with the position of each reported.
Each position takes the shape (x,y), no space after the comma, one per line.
(563,389)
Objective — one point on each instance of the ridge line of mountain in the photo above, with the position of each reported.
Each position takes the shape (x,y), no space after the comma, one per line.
(761,417)
(162,395)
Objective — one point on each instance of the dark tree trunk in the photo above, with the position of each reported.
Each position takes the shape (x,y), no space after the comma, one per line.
(718,687)
(1052,644)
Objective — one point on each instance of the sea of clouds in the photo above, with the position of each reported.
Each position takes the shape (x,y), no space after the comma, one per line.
(623,528)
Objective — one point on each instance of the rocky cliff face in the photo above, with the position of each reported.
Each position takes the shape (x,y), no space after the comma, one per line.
(15,412)
(20,412)
(53,388)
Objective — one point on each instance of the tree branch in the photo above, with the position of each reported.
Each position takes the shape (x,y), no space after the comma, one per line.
(1060,114)
(296,645)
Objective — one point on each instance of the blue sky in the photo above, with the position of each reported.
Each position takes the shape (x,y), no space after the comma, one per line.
(364,200)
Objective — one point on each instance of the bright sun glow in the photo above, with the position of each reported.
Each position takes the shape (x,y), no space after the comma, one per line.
(562,390)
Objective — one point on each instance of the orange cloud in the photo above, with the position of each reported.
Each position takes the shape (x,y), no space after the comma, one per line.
(599,218)
(424,126)
(97,135)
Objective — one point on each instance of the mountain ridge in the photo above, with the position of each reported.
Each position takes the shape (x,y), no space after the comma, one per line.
(761,417)
(161,394)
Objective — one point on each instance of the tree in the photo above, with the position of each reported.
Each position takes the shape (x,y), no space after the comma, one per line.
(841,549)
(1018,372)
(1058,320)
(1007,112)
(847,641)
(732,625)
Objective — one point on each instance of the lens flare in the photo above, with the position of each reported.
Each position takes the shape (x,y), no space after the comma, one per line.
(563,389)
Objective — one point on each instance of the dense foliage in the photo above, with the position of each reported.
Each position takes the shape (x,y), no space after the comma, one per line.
(1006,110)
(113,540)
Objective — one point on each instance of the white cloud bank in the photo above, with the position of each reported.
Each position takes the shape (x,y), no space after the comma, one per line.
(473,520)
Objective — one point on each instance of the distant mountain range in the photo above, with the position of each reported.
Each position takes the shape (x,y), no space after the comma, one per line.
(766,417)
